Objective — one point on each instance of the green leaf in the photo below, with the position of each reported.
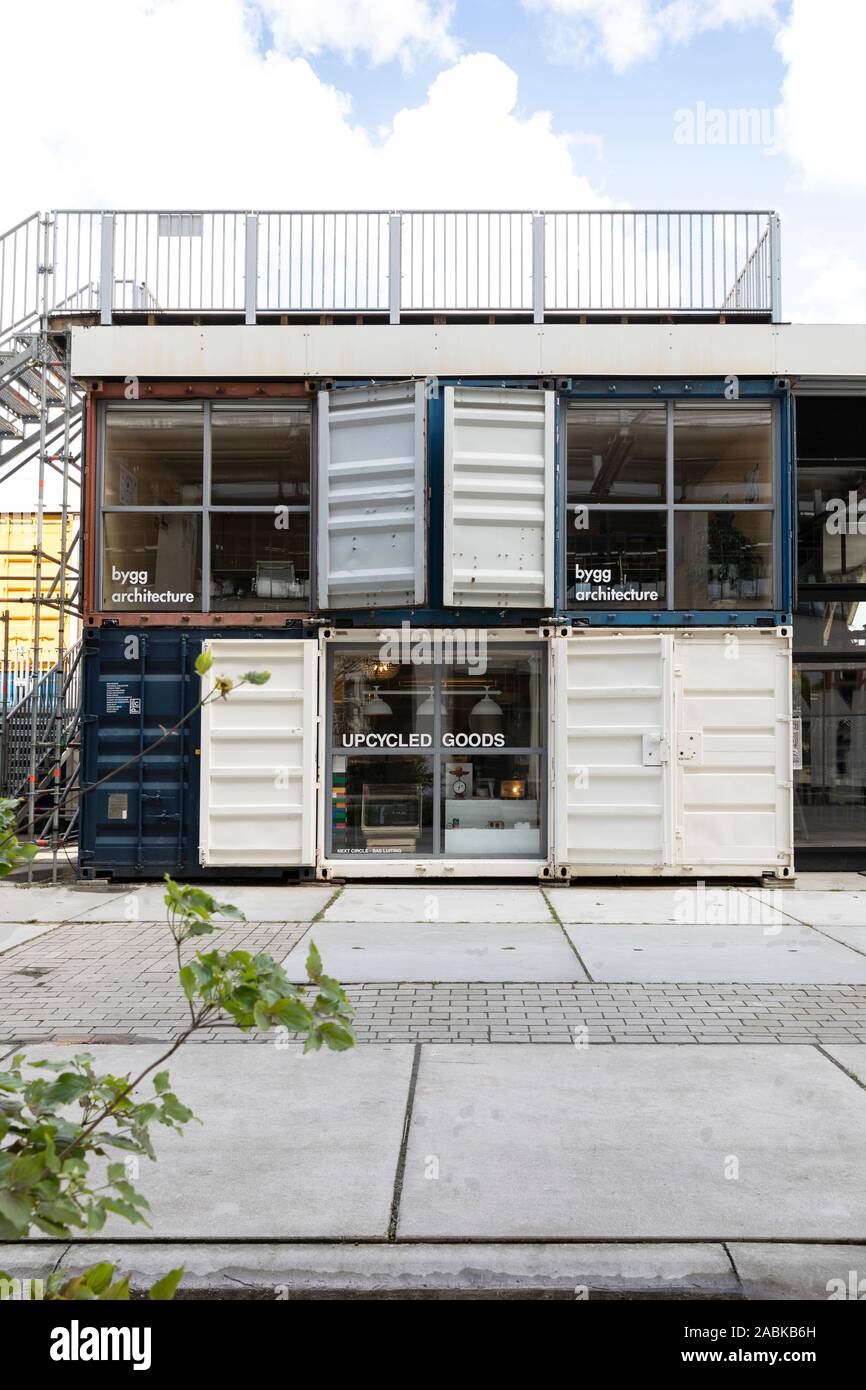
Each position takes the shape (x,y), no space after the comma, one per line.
(257,677)
(203,662)
(188,981)
(164,1288)
(98,1277)
(161,1082)
(16,1210)
(314,962)
(26,1171)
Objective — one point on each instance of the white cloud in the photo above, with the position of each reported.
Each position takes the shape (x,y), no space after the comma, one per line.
(624,32)
(380,30)
(823,111)
(173,103)
(831,288)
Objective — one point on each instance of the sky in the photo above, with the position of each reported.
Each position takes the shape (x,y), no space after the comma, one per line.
(453,103)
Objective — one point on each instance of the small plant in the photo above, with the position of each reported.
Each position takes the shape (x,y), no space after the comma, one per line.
(57,1117)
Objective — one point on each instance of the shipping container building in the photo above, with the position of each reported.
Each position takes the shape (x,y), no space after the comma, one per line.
(542,555)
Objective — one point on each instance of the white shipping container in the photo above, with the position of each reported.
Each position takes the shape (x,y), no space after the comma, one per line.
(258,756)
(672,753)
(499,497)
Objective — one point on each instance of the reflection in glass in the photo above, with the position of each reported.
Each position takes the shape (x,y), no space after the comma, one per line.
(256,564)
(723,453)
(831,786)
(837,625)
(724,560)
(621,556)
(151,560)
(383,697)
(381,805)
(616,454)
(153,457)
(491,805)
(260,455)
(504,702)
(831,541)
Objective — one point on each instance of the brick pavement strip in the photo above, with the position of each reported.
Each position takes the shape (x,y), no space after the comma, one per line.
(118,979)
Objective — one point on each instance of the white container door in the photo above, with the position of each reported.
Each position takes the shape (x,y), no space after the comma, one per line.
(372,514)
(499,497)
(258,756)
(612,703)
(732,765)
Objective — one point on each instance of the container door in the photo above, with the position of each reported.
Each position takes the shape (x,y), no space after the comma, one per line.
(732,765)
(258,756)
(372,513)
(612,703)
(499,497)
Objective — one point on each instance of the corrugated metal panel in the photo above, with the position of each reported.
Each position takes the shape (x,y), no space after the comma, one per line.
(674,752)
(372,496)
(612,741)
(258,757)
(499,497)
(145,817)
(733,779)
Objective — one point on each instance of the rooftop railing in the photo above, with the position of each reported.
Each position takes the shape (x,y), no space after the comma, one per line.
(398,265)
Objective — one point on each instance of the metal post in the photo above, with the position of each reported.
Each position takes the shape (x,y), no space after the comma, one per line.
(106,268)
(395,265)
(251,267)
(538,267)
(5,704)
(775,268)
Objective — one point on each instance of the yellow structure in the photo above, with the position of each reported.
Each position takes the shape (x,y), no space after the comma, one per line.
(18,532)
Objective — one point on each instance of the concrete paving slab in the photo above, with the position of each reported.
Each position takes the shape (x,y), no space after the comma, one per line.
(686,904)
(26,903)
(434,903)
(15,933)
(790,954)
(289,1146)
(836,1272)
(827,882)
(825,908)
(851,1056)
(511,1142)
(365,952)
(853,937)
(397,1269)
(264,903)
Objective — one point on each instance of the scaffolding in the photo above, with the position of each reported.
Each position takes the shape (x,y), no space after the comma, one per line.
(41,434)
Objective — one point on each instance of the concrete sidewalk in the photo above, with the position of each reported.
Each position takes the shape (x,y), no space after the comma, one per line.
(711,1172)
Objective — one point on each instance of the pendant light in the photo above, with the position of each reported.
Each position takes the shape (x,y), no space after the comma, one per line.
(376,705)
(427,707)
(485,716)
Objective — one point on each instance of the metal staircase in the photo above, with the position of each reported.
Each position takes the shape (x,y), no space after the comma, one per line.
(41,432)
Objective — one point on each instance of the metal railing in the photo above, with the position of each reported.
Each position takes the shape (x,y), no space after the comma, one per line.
(527,264)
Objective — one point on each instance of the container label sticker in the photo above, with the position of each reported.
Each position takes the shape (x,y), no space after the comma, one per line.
(119,701)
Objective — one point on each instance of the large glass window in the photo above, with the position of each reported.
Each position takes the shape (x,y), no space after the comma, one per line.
(438,757)
(830,787)
(617,558)
(616,454)
(831,525)
(723,453)
(206,506)
(724,559)
(670,505)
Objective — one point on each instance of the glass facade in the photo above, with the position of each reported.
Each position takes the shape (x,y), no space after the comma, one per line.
(206,507)
(670,506)
(830,624)
(441,758)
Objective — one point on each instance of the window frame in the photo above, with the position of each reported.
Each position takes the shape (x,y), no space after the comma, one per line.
(669,506)
(205,507)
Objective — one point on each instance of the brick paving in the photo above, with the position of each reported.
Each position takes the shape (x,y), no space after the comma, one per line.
(103,981)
